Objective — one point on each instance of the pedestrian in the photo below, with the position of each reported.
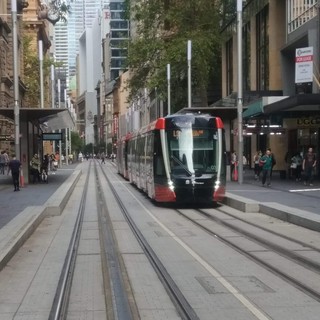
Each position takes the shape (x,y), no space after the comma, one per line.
(257,168)
(102,158)
(296,166)
(35,168)
(267,167)
(14,166)
(233,161)
(2,162)
(308,165)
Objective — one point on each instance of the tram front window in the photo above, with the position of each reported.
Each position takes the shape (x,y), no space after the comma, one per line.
(192,151)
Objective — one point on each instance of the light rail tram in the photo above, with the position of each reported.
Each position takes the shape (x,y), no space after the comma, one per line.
(179,158)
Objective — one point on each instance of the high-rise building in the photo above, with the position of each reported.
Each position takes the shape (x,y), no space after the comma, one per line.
(67,34)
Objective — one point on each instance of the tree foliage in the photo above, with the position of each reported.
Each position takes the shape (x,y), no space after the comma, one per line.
(62,7)
(32,73)
(76,142)
(160,31)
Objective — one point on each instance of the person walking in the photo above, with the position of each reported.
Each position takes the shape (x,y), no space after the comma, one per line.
(2,162)
(296,166)
(234,160)
(267,167)
(14,166)
(35,168)
(102,158)
(309,162)
(257,168)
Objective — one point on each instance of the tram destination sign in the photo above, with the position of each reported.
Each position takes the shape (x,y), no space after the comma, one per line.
(56,136)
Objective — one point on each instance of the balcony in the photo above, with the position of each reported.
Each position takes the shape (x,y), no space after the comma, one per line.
(300,12)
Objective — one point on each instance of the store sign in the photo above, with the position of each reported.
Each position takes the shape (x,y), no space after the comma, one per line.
(52,136)
(308,121)
(304,65)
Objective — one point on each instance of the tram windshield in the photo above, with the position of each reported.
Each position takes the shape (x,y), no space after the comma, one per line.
(193,151)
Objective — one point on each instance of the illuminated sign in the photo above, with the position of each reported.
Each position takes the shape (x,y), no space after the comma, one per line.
(52,136)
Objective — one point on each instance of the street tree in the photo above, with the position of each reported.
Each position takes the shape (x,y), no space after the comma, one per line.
(160,31)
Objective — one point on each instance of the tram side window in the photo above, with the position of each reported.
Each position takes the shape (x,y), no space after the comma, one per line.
(158,158)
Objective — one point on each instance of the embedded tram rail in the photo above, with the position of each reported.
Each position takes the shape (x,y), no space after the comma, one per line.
(259,235)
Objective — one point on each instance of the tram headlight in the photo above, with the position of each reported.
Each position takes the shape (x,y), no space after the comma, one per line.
(171,186)
(217,184)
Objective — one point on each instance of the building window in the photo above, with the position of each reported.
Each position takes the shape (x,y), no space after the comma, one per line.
(119,25)
(229,66)
(117,6)
(262,34)
(246,57)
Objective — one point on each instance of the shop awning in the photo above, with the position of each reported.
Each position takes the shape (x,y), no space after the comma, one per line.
(47,119)
(254,109)
(299,102)
(259,107)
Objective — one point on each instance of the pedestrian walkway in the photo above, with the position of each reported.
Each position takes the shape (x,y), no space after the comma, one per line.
(12,203)
(286,192)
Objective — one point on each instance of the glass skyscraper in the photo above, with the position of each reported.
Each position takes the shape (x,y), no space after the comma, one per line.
(83,12)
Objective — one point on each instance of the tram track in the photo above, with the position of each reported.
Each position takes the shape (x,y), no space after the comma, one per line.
(183,233)
(308,264)
(183,307)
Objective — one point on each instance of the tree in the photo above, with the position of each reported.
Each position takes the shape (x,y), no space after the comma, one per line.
(161,31)
(31,72)
(76,142)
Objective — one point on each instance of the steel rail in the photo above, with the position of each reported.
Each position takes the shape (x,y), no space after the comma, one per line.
(183,307)
(294,282)
(61,299)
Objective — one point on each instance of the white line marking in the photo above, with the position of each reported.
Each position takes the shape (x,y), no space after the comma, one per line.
(251,307)
(304,190)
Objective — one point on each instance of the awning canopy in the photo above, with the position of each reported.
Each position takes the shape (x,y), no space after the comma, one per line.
(299,102)
(47,119)
(259,107)
(255,109)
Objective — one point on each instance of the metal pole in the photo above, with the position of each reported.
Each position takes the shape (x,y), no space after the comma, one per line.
(66,129)
(239,101)
(15,79)
(41,74)
(60,142)
(53,100)
(69,107)
(169,89)
(189,73)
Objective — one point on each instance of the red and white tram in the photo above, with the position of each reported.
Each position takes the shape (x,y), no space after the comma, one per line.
(178,158)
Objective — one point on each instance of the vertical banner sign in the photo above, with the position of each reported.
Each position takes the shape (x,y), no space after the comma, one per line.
(304,65)
(115,124)
(106,17)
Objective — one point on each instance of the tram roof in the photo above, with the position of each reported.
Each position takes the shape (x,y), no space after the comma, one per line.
(50,119)
(221,112)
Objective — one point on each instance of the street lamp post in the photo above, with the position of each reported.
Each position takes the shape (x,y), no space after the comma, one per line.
(189,73)
(239,100)
(15,79)
(41,74)
(169,88)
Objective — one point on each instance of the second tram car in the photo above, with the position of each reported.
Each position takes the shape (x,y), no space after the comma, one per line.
(178,158)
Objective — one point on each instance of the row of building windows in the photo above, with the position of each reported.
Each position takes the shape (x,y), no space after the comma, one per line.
(262,54)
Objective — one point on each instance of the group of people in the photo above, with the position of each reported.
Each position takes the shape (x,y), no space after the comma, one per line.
(263,164)
(39,169)
(307,164)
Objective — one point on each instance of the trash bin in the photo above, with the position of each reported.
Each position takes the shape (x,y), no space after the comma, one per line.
(283,174)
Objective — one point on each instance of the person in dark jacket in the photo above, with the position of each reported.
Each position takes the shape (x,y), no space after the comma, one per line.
(14,166)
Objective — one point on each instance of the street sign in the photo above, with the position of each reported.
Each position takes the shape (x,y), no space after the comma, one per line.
(304,65)
(56,136)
